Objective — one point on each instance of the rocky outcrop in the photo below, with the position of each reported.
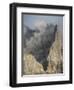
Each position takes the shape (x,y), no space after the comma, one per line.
(55,57)
(31,66)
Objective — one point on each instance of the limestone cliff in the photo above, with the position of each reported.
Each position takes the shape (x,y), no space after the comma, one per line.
(31,66)
(55,57)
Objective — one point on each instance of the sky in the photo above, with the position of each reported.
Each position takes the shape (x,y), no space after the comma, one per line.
(33,21)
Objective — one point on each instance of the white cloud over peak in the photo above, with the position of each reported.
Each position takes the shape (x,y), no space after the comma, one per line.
(40,24)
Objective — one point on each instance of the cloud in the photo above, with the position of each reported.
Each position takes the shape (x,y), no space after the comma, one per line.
(40,24)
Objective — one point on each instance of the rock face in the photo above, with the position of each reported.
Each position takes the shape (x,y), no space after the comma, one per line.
(31,66)
(55,57)
(55,60)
